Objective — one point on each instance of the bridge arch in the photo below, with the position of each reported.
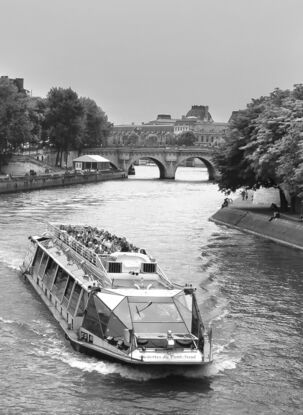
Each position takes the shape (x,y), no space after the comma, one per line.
(168,159)
(114,166)
(208,164)
(155,160)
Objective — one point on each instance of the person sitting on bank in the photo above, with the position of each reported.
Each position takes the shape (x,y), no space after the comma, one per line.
(225,203)
(276,213)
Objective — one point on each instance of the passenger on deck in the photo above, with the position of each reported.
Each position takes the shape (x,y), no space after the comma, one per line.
(98,240)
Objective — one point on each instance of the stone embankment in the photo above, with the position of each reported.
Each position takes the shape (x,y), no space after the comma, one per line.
(244,216)
(25,173)
(11,184)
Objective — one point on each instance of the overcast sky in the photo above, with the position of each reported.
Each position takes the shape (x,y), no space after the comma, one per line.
(138,58)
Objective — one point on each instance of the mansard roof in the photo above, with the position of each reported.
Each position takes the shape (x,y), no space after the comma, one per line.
(201,112)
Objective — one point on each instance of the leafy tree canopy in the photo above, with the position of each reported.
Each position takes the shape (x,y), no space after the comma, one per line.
(264,144)
(64,119)
(96,125)
(151,140)
(187,138)
(15,124)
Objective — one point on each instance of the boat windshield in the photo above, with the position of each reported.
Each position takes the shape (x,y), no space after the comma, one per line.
(156,315)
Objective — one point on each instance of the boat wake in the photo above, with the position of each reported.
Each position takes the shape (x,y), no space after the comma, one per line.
(56,349)
(12,263)
(51,346)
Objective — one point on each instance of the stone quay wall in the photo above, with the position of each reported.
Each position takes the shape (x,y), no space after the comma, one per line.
(283,231)
(27,183)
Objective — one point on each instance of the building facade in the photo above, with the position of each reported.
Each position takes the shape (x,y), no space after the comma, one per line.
(18,82)
(164,130)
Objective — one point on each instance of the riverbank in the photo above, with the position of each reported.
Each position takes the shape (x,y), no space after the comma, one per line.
(11,184)
(254,219)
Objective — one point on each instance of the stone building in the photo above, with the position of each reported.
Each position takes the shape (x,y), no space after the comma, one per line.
(165,129)
(18,82)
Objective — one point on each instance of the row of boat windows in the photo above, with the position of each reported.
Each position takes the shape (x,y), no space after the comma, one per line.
(145,316)
(104,323)
(60,283)
(148,317)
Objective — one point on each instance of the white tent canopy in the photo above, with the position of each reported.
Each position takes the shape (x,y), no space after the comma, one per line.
(91,159)
(91,162)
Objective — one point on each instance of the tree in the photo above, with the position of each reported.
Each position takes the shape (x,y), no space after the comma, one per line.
(36,110)
(15,125)
(230,158)
(64,120)
(130,138)
(187,138)
(170,138)
(151,140)
(96,125)
(264,145)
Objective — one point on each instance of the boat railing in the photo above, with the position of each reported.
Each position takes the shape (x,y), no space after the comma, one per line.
(98,260)
(163,277)
(80,249)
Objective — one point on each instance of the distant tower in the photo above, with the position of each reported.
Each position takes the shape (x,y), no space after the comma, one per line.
(201,112)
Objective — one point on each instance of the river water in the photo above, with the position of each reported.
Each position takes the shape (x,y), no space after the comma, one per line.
(249,289)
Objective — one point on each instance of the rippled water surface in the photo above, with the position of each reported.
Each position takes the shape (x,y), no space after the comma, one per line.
(249,289)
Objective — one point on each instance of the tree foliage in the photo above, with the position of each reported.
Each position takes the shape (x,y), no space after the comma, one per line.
(264,144)
(187,138)
(151,140)
(96,125)
(64,118)
(74,123)
(15,124)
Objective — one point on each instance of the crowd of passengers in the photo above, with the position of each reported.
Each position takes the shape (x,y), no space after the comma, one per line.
(99,240)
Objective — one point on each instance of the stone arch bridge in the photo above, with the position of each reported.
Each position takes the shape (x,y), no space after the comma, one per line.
(168,159)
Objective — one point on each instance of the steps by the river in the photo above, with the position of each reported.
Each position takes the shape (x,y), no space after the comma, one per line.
(19,165)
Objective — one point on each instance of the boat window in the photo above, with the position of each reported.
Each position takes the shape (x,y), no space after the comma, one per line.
(82,304)
(37,258)
(69,287)
(68,291)
(114,328)
(148,328)
(50,272)
(60,283)
(148,312)
(74,300)
(43,263)
(103,312)
(186,300)
(183,304)
(137,299)
(195,321)
(122,311)
(91,320)
(156,317)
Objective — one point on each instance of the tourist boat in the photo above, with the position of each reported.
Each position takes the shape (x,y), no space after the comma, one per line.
(115,304)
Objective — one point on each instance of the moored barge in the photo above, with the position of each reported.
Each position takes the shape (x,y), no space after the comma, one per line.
(113,300)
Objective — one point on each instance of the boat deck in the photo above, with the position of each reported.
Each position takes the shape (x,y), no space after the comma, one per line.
(89,267)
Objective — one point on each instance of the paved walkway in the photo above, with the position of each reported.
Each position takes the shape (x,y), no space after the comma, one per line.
(261,209)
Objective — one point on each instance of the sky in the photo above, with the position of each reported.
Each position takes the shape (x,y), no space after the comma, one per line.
(140,58)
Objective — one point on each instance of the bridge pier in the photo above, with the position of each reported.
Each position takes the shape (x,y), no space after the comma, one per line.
(169,172)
